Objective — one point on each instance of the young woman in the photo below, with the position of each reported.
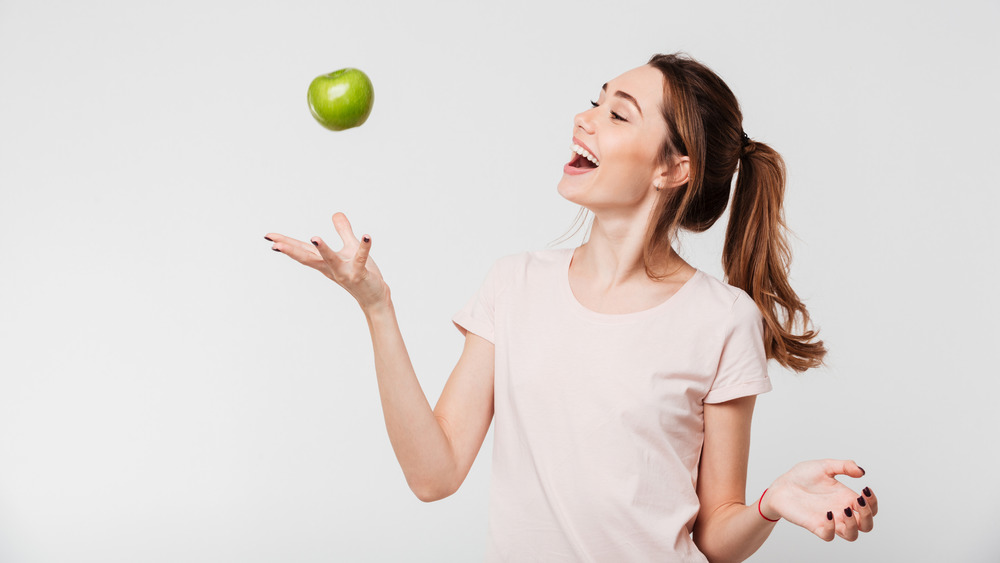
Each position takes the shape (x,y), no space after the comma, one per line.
(622,378)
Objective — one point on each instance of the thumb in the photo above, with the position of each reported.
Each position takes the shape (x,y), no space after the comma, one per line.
(844,467)
(363,248)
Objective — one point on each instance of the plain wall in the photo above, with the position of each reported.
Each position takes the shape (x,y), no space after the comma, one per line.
(173,390)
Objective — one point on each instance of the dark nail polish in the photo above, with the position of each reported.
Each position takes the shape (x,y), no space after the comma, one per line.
(861,501)
(862,470)
(268,239)
(316,244)
(275,249)
(867,492)
(848,512)
(366,239)
(829,516)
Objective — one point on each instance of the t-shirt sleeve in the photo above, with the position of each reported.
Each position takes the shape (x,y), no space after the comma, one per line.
(477,314)
(743,364)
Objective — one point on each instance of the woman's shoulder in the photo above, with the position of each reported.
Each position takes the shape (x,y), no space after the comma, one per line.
(525,267)
(726,299)
(527,259)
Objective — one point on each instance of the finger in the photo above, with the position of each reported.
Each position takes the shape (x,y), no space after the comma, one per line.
(843,467)
(283,243)
(847,524)
(299,252)
(863,514)
(827,530)
(344,229)
(871,500)
(361,257)
(327,254)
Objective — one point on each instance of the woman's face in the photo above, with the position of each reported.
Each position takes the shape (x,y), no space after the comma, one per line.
(623,132)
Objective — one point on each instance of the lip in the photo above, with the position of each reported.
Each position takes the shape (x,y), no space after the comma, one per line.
(567,169)
(579,142)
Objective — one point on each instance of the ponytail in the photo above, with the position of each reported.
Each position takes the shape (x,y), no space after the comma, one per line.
(756,257)
(704,122)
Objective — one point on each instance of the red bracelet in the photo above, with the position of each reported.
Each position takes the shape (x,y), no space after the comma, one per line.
(758,508)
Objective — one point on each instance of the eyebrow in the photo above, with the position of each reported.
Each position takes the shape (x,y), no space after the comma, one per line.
(625,95)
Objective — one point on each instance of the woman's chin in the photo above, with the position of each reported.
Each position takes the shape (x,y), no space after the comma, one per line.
(566,188)
(578,187)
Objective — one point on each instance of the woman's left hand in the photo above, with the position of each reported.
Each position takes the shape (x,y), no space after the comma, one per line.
(810,496)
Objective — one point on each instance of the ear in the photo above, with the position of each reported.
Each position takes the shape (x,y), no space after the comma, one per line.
(673,175)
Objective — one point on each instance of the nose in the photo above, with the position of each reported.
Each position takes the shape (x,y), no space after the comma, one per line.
(583,121)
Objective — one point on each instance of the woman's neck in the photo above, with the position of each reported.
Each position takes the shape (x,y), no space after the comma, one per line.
(612,257)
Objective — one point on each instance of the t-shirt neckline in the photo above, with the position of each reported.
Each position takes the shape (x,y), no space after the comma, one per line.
(616,318)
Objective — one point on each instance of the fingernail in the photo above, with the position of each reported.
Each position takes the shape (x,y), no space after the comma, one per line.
(316,244)
(366,239)
(862,470)
(848,512)
(861,501)
(275,249)
(867,492)
(268,238)
(829,515)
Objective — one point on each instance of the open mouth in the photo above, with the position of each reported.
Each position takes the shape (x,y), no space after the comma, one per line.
(582,159)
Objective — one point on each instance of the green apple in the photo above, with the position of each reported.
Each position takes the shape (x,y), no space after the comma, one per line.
(342,99)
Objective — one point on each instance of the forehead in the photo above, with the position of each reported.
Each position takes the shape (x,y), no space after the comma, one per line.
(645,83)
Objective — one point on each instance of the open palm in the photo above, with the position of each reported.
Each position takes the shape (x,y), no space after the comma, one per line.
(350,266)
(810,496)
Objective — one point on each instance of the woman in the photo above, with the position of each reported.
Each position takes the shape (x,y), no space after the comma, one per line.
(623,378)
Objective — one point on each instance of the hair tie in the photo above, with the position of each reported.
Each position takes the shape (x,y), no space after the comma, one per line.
(746,140)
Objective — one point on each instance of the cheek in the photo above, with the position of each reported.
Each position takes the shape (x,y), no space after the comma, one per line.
(634,169)
(635,159)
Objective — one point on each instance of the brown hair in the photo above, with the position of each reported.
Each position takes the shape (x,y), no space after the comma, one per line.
(704,123)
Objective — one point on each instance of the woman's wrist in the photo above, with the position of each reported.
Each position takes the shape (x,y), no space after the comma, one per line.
(765,509)
(379,310)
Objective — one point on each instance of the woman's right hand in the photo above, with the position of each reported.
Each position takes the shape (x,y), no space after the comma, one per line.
(349,266)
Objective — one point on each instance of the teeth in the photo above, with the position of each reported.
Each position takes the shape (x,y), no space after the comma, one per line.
(583,152)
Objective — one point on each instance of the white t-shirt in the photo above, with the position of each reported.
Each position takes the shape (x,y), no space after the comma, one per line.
(598,418)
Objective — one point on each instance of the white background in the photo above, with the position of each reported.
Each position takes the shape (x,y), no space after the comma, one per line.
(173,390)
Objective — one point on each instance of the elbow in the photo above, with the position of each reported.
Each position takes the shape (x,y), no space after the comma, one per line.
(698,536)
(430,492)
(710,550)
(434,483)
(430,496)
(705,550)
(715,557)
(720,559)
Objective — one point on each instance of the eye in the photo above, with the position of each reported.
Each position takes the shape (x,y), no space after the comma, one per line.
(613,114)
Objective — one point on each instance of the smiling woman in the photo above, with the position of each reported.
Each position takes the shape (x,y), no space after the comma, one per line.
(621,380)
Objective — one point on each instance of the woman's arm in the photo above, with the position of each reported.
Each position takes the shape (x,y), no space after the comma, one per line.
(435,448)
(727,529)
(808,495)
